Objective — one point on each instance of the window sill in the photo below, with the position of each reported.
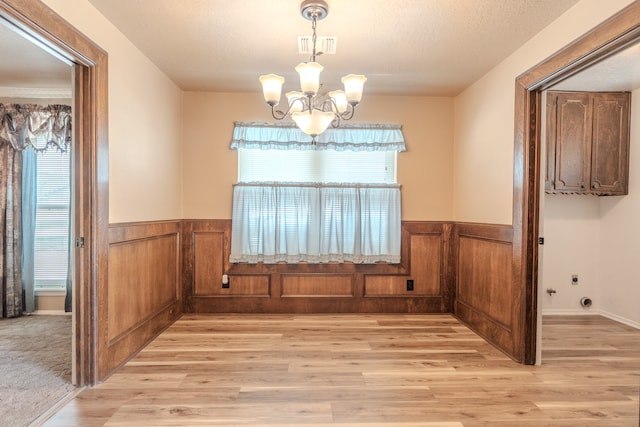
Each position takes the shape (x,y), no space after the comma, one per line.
(50,292)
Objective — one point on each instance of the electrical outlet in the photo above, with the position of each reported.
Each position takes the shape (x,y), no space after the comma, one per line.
(410,284)
(225,281)
(574,279)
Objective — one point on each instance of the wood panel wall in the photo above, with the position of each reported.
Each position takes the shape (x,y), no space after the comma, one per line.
(487,298)
(317,288)
(159,270)
(143,295)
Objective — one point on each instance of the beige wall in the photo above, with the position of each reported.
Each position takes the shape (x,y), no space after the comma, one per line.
(452,171)
(145,117)
(620,238)
(484,117)
(424,170)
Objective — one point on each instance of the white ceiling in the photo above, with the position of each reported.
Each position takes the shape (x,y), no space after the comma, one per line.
(426,47)
(423,47)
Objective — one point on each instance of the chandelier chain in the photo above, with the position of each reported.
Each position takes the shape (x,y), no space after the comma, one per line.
(314,37)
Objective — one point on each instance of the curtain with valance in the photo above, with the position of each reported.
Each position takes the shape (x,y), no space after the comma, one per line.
(316,222)
(287,136)
(39,127)
(24,129)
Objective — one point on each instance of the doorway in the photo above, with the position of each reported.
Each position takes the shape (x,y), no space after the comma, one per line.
(610,37)
(590,261)
(36,22)
(37,346)
(34,81)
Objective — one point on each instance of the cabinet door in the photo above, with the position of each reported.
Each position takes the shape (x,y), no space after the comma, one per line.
(610,145)
(573,142)
(550,142)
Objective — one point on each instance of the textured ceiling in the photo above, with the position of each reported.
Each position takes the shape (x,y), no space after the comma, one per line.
(432,47)
(425,47)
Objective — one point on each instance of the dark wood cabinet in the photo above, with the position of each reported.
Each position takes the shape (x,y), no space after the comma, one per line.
(587,142)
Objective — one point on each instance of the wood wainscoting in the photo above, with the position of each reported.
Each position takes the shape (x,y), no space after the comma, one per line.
(486,295)
(317,288)
(158,270)
(143,296)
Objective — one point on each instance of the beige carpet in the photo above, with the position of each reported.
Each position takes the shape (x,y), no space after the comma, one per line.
(35,366)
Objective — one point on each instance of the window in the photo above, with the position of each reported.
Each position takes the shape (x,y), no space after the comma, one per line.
(256,165)
(51,257)
(334,202)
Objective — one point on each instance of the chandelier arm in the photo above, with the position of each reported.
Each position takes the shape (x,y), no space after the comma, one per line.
(330,105)
(348,114)
(278,114)
(301,100)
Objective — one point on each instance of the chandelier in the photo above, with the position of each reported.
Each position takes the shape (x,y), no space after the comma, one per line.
(311,110)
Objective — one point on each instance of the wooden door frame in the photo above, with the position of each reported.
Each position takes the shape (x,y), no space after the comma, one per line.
(34,20)
(611,36)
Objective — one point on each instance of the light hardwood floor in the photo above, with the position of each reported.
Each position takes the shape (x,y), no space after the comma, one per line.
(366,370)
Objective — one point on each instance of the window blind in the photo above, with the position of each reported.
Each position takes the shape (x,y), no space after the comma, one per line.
(316,166)
(51,257)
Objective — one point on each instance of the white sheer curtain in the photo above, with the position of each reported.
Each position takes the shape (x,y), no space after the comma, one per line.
(316,223)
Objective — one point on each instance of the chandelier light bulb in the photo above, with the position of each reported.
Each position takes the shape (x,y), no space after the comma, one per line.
(353,86)
(340,99)
(309,77)
(313,123)
(296,101)
(272,88)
